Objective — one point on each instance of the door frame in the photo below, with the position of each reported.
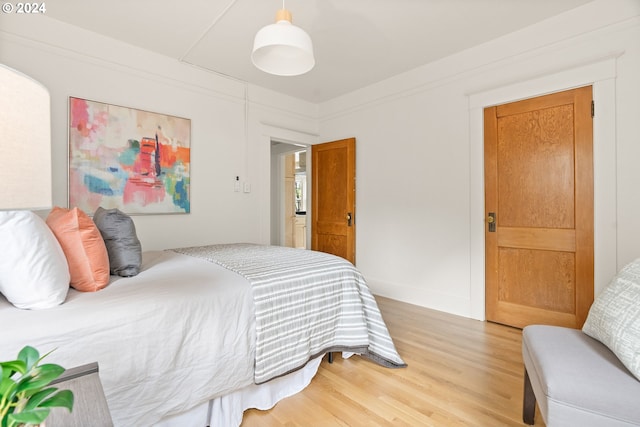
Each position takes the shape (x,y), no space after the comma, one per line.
(601,75)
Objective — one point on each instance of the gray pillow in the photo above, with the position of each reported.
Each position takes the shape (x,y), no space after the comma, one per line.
(119,235)
(614,317)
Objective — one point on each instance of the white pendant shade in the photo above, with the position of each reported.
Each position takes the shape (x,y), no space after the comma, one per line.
(282,48)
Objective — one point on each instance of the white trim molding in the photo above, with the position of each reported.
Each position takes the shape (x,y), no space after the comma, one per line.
(599,73)
(270,133)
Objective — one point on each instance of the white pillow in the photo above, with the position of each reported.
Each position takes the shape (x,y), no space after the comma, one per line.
(614,317)
(33,269)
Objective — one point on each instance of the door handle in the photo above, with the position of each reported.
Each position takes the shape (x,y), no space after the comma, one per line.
(491,220)
(349,219)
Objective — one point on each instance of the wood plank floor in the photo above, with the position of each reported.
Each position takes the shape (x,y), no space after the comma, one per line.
(461,372)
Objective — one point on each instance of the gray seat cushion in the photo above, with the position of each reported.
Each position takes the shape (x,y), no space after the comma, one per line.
(577,380)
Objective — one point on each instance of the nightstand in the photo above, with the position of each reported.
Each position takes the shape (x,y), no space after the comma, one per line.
(90,405)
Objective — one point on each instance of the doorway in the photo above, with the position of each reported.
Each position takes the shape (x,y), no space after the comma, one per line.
(289,195)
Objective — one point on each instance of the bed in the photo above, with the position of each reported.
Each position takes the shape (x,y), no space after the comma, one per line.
(201,334)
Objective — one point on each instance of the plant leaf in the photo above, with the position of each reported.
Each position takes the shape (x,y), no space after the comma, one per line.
(26,398)
(34,401)
(8,386)
(50,371)
(34,416)
(8,389)
(29,356)
(12,366)
(62,399)
(39,377)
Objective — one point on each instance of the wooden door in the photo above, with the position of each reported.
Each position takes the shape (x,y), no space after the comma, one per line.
(333,188)
(539,207)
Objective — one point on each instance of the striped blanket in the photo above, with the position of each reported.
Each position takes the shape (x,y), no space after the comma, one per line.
(306,303)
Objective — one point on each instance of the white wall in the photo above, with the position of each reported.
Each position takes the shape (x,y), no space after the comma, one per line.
(73,62)
(419,152)
(419,181)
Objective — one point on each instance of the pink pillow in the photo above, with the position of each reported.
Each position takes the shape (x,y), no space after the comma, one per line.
(83,246)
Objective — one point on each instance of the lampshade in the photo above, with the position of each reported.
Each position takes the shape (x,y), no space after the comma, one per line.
(25,142)
(282,48)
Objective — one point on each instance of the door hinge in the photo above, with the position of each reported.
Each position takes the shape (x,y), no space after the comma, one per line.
(593,109)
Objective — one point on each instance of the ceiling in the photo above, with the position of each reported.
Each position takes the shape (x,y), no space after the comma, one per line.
(356,42)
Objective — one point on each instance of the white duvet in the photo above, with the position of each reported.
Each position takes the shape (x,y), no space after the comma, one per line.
(176,335)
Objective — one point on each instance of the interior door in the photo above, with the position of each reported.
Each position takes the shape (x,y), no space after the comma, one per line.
(539,210)
(333,188)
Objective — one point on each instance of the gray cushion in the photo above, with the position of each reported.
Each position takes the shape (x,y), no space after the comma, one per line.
(614,317)
(577,380)
(123,246)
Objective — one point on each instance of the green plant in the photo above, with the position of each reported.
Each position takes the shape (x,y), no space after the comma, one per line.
(25,398)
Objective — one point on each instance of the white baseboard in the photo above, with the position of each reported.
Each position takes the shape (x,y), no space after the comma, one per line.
(422,297)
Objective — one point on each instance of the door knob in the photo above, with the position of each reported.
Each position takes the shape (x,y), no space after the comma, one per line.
(348,219)
(491,220)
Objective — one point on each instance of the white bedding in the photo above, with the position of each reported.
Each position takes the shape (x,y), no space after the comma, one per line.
(149,333)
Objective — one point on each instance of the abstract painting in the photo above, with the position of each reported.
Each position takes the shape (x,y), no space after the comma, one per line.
(133,160)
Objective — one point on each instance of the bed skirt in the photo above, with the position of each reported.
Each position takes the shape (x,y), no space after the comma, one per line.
(228,410)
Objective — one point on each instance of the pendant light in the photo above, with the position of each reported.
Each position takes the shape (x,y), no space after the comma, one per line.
(282,48)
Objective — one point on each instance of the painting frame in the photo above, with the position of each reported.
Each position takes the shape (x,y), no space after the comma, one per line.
(135,160)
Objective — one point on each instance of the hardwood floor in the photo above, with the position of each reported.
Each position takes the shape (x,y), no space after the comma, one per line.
(461,372)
